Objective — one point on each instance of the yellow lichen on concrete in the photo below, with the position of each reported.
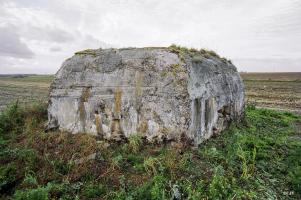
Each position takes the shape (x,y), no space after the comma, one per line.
(85,94)
(117,101)
(82,111)
(115,126)
(98,124)
(142,127)
(164,130)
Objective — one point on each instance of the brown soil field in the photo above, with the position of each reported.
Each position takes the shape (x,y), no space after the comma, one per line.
(26,90)
(270,90)
(274,90)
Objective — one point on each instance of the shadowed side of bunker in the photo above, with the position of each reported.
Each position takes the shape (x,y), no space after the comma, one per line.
(159,93)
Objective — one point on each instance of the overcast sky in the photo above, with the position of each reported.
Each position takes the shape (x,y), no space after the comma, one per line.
(36,36)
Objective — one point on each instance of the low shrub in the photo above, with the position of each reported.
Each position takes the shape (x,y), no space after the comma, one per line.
(40,193)
(94,190)
(219,187)
(8,178)
(135,143)
(12,120)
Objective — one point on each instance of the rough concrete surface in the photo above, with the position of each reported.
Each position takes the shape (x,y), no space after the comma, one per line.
(160,93)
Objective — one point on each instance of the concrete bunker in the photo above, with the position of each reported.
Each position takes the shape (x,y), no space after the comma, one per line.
(159,93)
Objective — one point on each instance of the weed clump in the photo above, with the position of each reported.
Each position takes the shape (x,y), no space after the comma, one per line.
(152,165)
(87,52)
(16,119)
(135,143)
(40,193)
(195,54)
(12,120)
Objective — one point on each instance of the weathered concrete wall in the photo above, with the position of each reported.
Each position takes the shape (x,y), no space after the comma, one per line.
(161,93)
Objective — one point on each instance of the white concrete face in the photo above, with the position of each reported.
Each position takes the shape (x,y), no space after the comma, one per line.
(150,91)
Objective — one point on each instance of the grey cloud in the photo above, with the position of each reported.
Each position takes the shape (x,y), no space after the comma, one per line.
(47,33)
(12,65)
(256,34)
(268,65)
(89,40)
(284,23)
(11,44)
(34,23)
(55,49)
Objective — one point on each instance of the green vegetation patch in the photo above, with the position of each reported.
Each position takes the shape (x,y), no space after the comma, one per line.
(29,78)
(256,159)
(196,54)
(87,52)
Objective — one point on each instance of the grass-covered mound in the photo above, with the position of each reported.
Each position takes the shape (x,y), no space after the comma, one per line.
(257,159)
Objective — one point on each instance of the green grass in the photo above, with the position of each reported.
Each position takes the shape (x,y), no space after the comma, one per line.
(256,159)
(31,78)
